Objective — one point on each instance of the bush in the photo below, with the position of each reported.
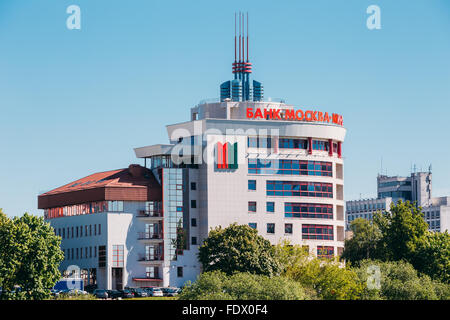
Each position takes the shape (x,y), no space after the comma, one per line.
(65,296)
(400,281)
(242,286)
(326,278)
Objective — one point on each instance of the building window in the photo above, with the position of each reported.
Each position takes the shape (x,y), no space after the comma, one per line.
(77,233)
(115,206)
(252,185)
(180,272)
(81,231)
(71,255)
(95,229)
(73,210)
(90,230)
(72,233)
(77,253)
(101,256)
(151,272)
(288,228)
(251,206)
(64,233)
(252,142)
(259,142)
(85,230)
(270,207)
(95,252)
(288,143)
(320,145)
(193,186)
(193,204)
(194,240)
(193,222)
(290,167)
(90,252)
(296,188)
(317,232)
(99,229)
(325,252)
(117,261)
(271,228)
(308,210)
(252,225)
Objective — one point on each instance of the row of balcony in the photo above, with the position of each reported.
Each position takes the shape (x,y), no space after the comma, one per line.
(150,236)
(150,214)
(151,257)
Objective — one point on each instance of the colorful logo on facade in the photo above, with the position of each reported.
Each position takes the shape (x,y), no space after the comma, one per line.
(226,155)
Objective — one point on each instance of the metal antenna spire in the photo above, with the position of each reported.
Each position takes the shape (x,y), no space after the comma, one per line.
(235,53)
(247,36)
(243,50)
(239,36)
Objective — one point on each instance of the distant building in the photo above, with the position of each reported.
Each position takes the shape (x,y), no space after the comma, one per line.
(415,188)
(366,208)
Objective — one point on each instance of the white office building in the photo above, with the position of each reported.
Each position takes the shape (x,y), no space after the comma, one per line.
(239,159)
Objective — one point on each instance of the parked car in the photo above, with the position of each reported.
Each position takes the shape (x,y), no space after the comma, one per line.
(154,292)
(90,288)
(54,292)
(114,294)
(139,292)
(126,293)
(74,292)
(101,294)
(173,292)
(169,292)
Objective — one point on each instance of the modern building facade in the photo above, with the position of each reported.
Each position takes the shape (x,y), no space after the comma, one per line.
(366,208)
(415,188)
(269,165)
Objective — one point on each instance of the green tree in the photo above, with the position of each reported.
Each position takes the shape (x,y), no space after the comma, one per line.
(400,281)
(326,278)
(216,285)
(364,244)
(391,236)
(238,248)
(30,255)
(402,231)
(432,256)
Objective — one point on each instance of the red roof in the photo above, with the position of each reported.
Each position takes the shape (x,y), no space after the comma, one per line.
(147,279)
(134,183)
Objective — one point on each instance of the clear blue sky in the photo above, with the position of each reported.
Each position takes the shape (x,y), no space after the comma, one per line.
(74,102)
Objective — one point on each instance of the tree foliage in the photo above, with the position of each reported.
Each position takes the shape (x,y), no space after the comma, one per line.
(365,242)
(238,248)
(327,278)
(216,285)
(432,256)
(29,256)
(400,234)
(400,281)
(402,230)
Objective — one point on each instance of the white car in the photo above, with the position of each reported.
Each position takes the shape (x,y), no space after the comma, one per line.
(155,292)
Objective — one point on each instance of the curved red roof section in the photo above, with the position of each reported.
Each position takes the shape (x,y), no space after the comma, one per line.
(134,183)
